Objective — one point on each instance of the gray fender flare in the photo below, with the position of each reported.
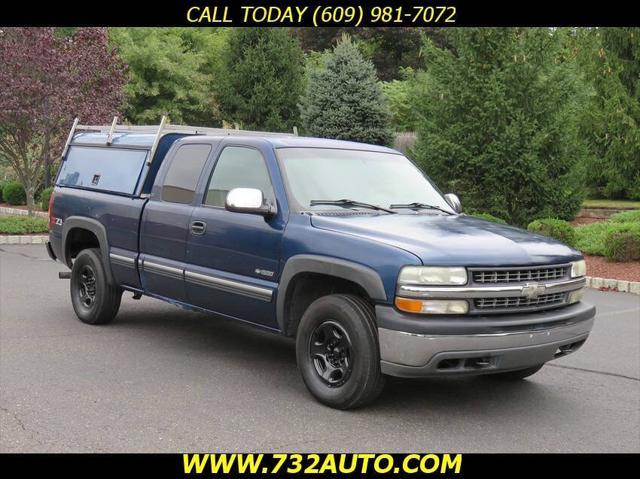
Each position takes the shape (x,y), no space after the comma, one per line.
(366,277)
(97,229)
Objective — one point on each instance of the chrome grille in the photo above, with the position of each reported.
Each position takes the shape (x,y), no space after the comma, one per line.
(545,300)
(519,275)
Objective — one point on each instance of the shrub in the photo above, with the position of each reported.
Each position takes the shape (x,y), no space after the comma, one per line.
(14,194)
(45,196)
(558,229)
(622,246)
(632,216)
(592,239)
(488,217)
(3,183)
(19,225)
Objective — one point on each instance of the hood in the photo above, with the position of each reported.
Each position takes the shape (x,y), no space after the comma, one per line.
(455,240)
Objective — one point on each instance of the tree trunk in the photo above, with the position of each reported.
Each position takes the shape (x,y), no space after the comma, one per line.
(47,162)
(47,172)
(31,202)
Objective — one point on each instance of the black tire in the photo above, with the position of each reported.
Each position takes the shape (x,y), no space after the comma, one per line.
(94,299)
(518,374)
(339,332)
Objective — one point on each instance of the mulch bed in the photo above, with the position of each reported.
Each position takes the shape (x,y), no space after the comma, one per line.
(599,267)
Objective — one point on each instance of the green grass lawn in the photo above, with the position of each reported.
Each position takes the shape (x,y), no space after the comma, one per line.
(611,204)
(21,225)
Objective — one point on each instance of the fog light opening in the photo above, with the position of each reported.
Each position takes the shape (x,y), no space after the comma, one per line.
(568,348)
(478,363)
(449,364)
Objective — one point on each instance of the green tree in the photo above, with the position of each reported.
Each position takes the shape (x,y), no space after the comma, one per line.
(391,49)
(262,79)
(172,71)
(45,81)
(497,122)
(344,100)
(401,95)
(611,124)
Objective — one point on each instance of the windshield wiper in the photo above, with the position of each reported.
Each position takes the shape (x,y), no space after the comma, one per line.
(345,203)
(419,206)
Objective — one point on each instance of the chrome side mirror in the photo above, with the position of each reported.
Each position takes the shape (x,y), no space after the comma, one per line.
(248,200)
(454,202)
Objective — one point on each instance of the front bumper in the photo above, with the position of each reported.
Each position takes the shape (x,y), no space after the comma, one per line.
(414,346)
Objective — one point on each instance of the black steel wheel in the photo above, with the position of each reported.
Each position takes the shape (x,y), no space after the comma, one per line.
(95,300)
(337,351)
(330,352)
(87,286)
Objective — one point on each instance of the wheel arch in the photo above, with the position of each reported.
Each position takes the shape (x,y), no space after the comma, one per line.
(347,276)
(75,224)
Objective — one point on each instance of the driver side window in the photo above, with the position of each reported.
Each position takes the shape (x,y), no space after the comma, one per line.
(238,167)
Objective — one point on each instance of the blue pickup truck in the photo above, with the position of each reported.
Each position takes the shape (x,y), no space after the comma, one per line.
(348,248)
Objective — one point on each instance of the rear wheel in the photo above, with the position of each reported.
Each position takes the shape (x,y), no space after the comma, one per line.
(94,299)
(337,351)
(518,374)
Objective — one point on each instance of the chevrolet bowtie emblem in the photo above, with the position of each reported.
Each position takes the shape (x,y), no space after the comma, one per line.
(533,290)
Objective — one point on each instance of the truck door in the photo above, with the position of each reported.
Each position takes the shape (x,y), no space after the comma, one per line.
(232,258)
(165,223)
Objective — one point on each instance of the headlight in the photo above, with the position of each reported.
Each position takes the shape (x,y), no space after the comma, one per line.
(578,268)
(432,306)
(432,275)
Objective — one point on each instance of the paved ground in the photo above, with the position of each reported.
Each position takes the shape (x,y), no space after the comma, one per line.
(161,379)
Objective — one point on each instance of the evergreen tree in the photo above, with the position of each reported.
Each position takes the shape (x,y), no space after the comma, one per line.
(497,122)
(263,79)
(401,95)
(611,124)
(391,49)
(343,99)
(172,71)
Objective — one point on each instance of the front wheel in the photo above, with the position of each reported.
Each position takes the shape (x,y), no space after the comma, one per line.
(337,351)
(95,300)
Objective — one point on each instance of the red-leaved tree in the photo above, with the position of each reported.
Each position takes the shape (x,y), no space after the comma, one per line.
(45,81)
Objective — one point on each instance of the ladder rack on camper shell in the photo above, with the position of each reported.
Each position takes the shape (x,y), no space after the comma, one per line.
(141,174)
(162,129)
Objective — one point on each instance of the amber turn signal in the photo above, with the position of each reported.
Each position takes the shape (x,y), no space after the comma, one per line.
(409,305)
(432,306)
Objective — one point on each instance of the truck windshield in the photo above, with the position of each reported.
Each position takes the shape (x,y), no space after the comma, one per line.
(317,177)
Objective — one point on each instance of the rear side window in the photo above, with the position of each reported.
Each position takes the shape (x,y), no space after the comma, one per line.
(184,171)
(105,169)
(238,167)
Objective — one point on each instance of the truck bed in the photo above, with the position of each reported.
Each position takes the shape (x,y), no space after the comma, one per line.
(107,180)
